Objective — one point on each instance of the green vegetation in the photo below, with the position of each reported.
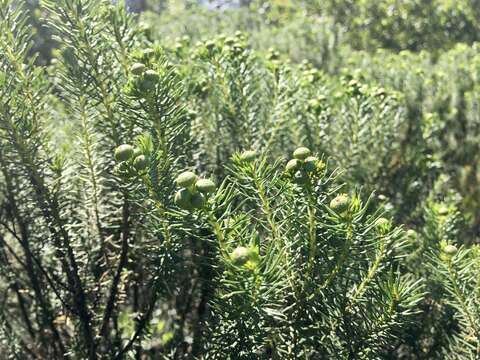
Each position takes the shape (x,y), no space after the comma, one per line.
(279,180)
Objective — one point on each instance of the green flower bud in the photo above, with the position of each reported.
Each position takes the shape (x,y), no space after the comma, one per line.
(340,204)
(124,152)
(137,69)
(205,186)
(137,152)
(183,199)
(230,41)
(442,210)
(301,153)
(449,250)
(248,156)
(210,45)
(240,256)
(198,200)
(311,163)
(293,165)
(140,162)
(147,53)
(186,179)
(382,225)
(412,234)
(151,75)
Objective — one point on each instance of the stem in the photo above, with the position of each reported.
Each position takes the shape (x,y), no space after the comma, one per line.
(341,259)
(312,232)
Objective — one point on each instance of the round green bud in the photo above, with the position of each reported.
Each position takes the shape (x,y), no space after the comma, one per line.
(240,256)
(340,203)
(248,156)
(238,46)
(137,69)
(450,250)
(382,225)
(198,200)
(210,45)
(151,75)
(311,163)
(301,153)
(205,186)
(443,210)
(186,179)
(412,234)
(124,152)
(293,165)
(140,162)
(148,52)
(382,222)
(183,199)
(230,41)
(136,152)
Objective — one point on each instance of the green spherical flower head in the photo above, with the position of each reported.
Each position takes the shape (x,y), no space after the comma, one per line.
(151,75)
(382,225)
(230,41)
(137,69)
(183,199)
(301,153)
(248,156)
(124,152)
(450,250)
(140,162)
(311,163)
(240,256)
(210,45)
(412,234)
(205,186)
(292,165)
(443,210)
(382,222)
(148,52)
(137,152)
(340,204)
(186,179)
(198,201)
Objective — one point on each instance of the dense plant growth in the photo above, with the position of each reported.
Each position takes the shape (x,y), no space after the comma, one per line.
(262,182)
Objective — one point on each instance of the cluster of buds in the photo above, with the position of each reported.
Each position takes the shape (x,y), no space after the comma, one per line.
(130,160)
(317,105)
(273,55)
(193,191)
(245,257)
(143,80)
(303,165)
